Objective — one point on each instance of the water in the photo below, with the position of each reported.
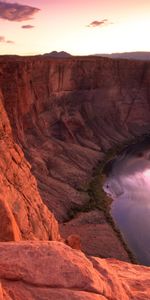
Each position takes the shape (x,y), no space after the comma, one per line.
(128,183)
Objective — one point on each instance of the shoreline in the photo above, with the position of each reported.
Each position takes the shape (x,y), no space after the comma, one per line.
(101,201)
(98,199)
(98,196)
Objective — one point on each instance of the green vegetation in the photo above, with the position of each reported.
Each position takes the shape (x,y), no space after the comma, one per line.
(100,200)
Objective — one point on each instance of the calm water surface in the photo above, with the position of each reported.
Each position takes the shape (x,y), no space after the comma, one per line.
(128,183)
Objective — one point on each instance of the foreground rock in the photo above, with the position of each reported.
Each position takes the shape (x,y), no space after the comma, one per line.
(52,270)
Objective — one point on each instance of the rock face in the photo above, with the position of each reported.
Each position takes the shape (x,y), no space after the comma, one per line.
(22,212)
(52,270)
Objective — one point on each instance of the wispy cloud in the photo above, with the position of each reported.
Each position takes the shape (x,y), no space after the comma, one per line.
(16,12)
(97,23)
(27,26)
(3,40)
(10,42)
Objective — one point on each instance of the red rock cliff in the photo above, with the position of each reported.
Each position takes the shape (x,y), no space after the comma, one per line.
(63,115)
(66,113)
(22,212)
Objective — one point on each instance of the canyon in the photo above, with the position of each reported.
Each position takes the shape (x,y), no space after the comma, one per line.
(58,119)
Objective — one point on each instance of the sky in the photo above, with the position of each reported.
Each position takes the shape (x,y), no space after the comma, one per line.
(80,27)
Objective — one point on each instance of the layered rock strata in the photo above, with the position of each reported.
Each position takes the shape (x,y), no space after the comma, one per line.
(23,215)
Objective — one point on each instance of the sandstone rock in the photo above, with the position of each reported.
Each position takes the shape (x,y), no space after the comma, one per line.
(9,229)
(74,241)
(52,270)
(96,235)
(22,212)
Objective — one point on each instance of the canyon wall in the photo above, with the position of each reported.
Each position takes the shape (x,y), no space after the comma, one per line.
(23,215)
(58,118)
(66,113)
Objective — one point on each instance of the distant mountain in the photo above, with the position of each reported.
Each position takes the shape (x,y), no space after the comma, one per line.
(61,54)
(139,55)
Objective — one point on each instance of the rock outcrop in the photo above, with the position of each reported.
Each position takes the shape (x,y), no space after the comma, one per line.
(52,270)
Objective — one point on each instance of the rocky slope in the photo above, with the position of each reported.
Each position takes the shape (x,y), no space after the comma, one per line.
(58,118)
(97,237)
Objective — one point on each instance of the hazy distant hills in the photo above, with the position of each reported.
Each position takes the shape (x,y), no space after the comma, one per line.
(55,54)
(140,55)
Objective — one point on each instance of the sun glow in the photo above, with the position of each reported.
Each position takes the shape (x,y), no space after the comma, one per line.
(64,25)
(147,173)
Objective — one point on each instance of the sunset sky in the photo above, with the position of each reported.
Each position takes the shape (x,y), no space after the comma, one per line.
(79,27)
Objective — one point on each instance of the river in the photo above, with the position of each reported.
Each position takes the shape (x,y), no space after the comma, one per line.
(128,184)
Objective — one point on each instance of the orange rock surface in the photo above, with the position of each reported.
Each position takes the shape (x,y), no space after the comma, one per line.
(52,270)
(74,241)
(23,215)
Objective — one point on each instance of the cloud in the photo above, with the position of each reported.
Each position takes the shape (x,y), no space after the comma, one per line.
(27,26)
(3,40)
(16,12)
(98,23)
(10,42)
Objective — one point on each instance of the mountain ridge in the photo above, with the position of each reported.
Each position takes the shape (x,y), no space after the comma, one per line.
(136,55)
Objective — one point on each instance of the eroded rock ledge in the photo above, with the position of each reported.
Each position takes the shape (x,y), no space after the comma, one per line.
(52,270)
